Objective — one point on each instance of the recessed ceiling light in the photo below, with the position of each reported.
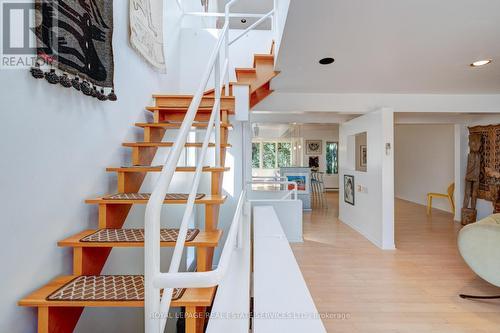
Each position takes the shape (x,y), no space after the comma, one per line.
(480,63)
(243,20)
(326,61)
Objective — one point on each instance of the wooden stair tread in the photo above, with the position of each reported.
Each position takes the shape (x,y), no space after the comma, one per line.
(211,92)
(178,125)
(249,70)
(170,144)
(177,109)
(146,168)
(186,96)
(202,239)
(191,297)
(206,200)
(269,58)
(261,81)
(227,103)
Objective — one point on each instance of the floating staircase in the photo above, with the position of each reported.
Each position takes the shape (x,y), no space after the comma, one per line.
(91,248)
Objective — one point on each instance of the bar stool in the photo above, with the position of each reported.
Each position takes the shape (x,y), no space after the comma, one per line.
(318,188)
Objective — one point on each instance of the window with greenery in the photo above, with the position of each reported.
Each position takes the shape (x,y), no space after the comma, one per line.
(271,155)
(332,159)
(284,154)
(268,155)
(255,154)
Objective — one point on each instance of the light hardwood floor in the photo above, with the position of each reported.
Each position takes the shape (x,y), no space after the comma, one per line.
(413,289)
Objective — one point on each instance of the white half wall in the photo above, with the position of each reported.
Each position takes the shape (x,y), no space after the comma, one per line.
(424,162)
(373,212)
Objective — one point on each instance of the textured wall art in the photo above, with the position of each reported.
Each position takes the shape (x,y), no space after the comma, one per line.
(313,147)
(74,45)
(490,155)
(363,158)
(314,162)
(146,31)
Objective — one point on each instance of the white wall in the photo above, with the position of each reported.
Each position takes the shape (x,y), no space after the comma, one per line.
(57,146)
(198,44)
(373,212)
(423,162)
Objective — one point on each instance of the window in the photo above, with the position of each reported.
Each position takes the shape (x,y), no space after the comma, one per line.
(268,155)
(255,155)
(332,159)
(271,154)
(284,154)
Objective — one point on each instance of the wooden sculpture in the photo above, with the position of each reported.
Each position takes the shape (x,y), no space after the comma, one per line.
(494,182)
(469,212)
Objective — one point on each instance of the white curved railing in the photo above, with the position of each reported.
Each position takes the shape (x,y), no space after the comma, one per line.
(156,305)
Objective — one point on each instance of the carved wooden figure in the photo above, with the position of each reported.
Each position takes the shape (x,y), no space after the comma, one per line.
(472,176)
(494,182)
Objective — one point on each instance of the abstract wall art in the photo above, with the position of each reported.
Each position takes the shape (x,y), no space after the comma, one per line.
(313,147)
(74,45)
(349,189)
(146,31)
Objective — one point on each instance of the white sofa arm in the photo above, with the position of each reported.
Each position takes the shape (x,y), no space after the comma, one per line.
(479,245)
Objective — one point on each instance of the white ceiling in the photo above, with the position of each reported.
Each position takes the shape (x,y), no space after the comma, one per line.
(248,6)
(390,46)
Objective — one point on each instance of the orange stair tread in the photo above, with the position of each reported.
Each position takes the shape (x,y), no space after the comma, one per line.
(185,96)
(191,297)
(159,168)
(170,144)
(207,200)
(181,109)
(202,239)
(178,125)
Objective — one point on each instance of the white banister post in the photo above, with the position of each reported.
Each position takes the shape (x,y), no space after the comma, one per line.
(217,111)
(226,51)
(275,20)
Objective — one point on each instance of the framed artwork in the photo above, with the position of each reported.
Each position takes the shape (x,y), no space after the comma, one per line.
(302,180)
(362,156)
(314,162)
(313,147)
(349,189)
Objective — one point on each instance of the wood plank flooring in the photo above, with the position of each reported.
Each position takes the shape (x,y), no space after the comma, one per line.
(410,290)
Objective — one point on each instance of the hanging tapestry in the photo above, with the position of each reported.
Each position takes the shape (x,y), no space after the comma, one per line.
(146,31)
(74,45)
(490,155)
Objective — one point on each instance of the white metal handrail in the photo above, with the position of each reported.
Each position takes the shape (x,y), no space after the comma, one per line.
(157,305)
(214,277)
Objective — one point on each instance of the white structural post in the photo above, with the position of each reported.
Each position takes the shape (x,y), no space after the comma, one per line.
(226,47)
(217,112)
(275,20)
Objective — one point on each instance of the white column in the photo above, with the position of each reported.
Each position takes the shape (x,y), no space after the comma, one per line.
(461,150)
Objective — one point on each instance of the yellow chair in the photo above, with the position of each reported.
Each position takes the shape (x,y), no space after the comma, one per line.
(449,196)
